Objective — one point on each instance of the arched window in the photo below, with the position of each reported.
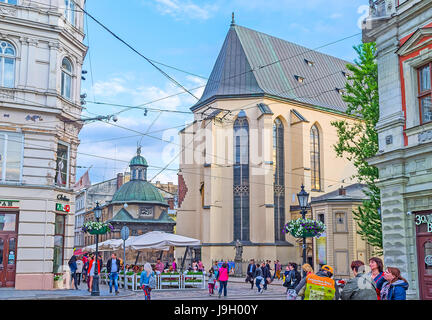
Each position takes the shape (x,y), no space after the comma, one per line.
(241,178)
(7,65)
(70,11)
(315,159)
(66,79)
(279,179)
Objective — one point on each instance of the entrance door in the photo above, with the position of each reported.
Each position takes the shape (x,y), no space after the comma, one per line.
(424,254)
(7,260)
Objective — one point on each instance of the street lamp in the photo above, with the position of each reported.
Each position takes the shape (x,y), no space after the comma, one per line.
(303,197)
(95,285)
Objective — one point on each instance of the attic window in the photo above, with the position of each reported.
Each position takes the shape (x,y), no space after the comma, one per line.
(345,74)
(309,63)
(340,91)
(299,79)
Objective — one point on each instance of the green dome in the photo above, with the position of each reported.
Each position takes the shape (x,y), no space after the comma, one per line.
(138,161)
(139,191)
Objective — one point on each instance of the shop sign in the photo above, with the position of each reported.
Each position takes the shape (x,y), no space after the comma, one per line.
(9,204)
(425,220)
(62,208)
(428,260)
(62,197)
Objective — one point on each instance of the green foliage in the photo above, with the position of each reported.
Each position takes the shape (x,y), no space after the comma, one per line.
(358,141)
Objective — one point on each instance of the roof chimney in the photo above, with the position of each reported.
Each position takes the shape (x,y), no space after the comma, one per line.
(119,180)
(342,191)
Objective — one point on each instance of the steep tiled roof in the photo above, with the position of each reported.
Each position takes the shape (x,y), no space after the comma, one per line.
(252,63)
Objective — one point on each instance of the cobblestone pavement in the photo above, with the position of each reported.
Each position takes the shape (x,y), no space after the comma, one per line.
(237,290)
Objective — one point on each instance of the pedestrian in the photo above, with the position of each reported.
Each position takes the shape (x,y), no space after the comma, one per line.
(159,266)
(200,266)
(393,286)
(174,265)
(250,273)
(307,268)
(211,281)
(79,270)
(113,268)
(319,286)
(73,268)
(145,280)
(361,287)
(278,269)
(266,274)
(258,275)
(85,266)
(222,277)
(91,270)
(377,272)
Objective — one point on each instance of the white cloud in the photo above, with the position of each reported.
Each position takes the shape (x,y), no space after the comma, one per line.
(185,9)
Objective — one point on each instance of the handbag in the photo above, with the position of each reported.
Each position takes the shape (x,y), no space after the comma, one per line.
(152,282)
(291,294)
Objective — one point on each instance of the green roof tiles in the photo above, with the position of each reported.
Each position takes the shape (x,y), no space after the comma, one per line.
(139,191)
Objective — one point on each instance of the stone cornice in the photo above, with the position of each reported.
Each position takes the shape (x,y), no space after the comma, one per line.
(401,154)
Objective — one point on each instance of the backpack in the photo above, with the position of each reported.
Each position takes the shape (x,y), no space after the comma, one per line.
(152,281)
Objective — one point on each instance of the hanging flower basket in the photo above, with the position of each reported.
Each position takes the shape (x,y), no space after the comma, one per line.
(304,228)
(92,227)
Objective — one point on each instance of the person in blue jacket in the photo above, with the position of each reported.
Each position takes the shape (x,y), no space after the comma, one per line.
(145,280)
(393,286)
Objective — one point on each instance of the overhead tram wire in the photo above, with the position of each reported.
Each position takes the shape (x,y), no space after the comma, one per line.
(137,52)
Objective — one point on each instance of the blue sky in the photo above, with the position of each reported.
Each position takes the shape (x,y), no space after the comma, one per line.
(187,34)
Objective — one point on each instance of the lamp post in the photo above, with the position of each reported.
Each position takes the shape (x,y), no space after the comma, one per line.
(303,197)
(95,285)
(124,235)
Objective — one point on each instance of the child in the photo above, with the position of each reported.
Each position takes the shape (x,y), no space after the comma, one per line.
(211,281)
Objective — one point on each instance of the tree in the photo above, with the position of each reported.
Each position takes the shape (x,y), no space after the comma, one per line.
(358,141)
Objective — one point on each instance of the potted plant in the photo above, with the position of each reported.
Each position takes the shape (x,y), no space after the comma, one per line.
(304,228)
(58,281)
(93,227)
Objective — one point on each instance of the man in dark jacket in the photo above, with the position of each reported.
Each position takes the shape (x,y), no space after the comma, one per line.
(361,287)
(266,274)
(251,273)
(113,268)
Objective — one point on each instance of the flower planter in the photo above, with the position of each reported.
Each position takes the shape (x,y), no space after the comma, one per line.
(58,284)
(305,234)
(100,231)
(304,228)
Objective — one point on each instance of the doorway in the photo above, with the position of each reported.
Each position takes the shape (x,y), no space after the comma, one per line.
(8,249)
(424,254)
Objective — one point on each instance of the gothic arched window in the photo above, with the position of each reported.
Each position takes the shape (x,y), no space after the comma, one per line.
(7,65)
(315,159)
(279,179)
(241,178)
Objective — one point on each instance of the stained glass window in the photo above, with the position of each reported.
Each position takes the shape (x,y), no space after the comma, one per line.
(279,179)
(315,159)
(241,178)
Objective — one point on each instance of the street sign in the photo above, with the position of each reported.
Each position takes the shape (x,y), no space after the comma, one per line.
(125,233)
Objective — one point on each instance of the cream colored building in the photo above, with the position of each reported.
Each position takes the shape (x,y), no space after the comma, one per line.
(41,58)
(340,244)
(262,128)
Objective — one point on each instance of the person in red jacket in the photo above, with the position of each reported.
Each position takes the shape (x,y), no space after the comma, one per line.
(91,270)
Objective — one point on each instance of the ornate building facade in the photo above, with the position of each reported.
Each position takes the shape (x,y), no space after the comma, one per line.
(41,58)
(402,31)
(262,128)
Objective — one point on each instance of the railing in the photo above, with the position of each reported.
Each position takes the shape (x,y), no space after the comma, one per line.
(165,281)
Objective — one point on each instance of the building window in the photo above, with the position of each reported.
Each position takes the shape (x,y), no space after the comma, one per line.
(11,153)
(60,224)
(425,93)
(340,222)
(7,65)
(70,11)
(241,178)
(315,159)
(321,217)
(62,169)
(9,1)
(66,79)
(279,179)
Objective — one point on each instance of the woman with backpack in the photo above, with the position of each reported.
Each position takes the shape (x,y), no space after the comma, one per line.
(147,281)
